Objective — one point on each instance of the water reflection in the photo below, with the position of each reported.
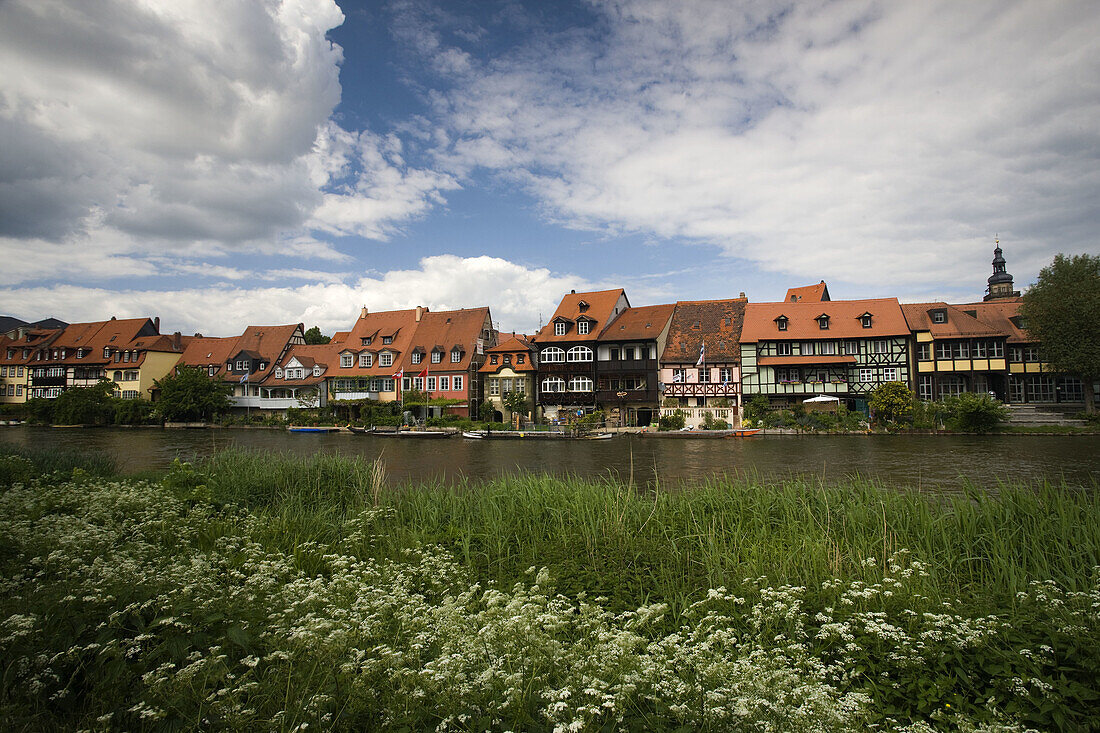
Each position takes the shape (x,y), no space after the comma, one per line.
(919,461)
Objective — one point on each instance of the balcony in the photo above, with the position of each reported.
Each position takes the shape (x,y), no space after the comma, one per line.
(629,366)
(266,403)
(567,398)
(568,367)
(355,395)
(629,396)
(48,381)
(702,389)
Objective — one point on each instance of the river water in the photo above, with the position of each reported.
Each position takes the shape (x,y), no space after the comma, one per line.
(932,462)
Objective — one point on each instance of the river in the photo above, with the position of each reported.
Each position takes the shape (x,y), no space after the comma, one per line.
(932,462)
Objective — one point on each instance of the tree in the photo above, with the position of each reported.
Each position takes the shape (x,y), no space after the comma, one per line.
(1061,311)
(515,402)
(190,394)
(85,405)
(314,336)
(891,402)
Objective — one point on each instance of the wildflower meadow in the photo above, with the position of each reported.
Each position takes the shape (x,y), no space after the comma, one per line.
(272,593)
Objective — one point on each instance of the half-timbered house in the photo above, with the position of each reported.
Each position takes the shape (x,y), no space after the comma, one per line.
(701,362)
(627,357)
(845,348)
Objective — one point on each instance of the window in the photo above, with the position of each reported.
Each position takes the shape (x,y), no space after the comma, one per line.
(106,353)
(242,365)
(553,354)
(981,350)
(18,390)
(417,357)
(866,375)
(806,348)
(316,370)
(924,352)
(1016,353)
(828,348)
(781,323)
(437,356)
(79,354)
(1031,353)
(1015,389)
(786,375)
(865,320)
(783,348)
(580,384)
(366,360)
(20,372)
(494,387)
(1071,389)
(939,316)
(211,370)
(444,384)
(507,358)
(924,387)
(725,375)
(385,359)
(951,386)
(880,347)
(345,360)
(962,349)
(704,376)
(890,374)
(553,384)
(559,328)
(580,353)
(456,356)
(456,383)
(582,328)
(125,355)
(505,386)
(679,376)
(520,358)
(432,384)
(996,349)
(943,350)
(823,322)
(278,372)
(389,384)
(406,384)
(365,341)
(521,386)
(493,359)
(387,340)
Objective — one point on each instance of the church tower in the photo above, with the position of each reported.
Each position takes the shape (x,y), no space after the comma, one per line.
(1000,282)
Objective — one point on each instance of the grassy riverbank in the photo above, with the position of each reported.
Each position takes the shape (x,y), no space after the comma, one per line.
(262,591)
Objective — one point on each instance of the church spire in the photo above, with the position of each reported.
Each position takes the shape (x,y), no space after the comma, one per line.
(1000,282)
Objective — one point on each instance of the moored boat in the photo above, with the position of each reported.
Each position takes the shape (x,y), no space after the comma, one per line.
(312,429)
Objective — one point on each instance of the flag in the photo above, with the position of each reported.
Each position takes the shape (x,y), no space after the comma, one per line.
(702,354)
(244,379)
(423,373)
(398,374)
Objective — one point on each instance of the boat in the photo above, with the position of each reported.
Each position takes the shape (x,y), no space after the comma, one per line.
(413,434)
(530,435)
(312,429)
(742,433)
(598,436)
(472,434)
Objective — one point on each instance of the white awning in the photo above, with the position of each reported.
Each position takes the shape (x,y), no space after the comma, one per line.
(822,398)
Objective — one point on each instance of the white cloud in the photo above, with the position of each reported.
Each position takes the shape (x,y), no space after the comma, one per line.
(516,294)
(188,124)
(863,141)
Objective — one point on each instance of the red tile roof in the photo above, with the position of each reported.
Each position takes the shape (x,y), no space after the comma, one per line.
(444,331)
(718,322)
(637,323)
(1003,315)
(958,323)
(268,343)
(601,307)
(808,294)
(513,346)
(887,319)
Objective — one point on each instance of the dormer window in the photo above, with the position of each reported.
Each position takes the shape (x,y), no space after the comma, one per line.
(519,358)
(823,322)
(385,359)
(939,316)
(79,354)
(781,323)
(582,306)
(346,360)
(865,320)
(559,328)
(437,356)
(492,358)
(582,327)
(316,370)
(366,360)
(365,341)
(507,358)
(456,356)
(416,357)
(278,372)
(387,340)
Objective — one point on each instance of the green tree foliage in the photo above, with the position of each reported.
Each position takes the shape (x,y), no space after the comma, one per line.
(676,421)
(757,408)
(190,394)
(133,412)
(1062,310)
(891,402)
(974,413)
(516,402)
(314,336)
(85,405)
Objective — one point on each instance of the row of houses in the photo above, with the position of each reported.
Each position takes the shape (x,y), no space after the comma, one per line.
(598,352)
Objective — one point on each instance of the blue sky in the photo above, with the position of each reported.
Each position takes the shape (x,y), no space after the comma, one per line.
(221,163)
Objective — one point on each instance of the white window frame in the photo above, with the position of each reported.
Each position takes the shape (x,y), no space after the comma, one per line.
(880,346)
(432,384)
(366,360)
(444,384)
(345,361)
(783,348)
(890,374)
(559,328)
(456,356)
(580,384)
(417,357)
(582,328)
(494,387)
(553,385)
(553,355)
(579,353)
(385,359)
(866,375)
(456,383)
(437,357)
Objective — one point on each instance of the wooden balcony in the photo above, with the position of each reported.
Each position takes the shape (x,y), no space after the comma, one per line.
(567,398)
(628,366)
(702,389)
(629,396)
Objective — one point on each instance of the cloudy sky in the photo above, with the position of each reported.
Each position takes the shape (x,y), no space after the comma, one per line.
(229,162)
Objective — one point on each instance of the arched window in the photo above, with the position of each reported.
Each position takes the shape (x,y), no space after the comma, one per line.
(553,354)
(553,384)
(580,384)
(580,353)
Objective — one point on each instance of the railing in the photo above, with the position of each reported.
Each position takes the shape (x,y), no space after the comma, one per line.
(567,398)
(612,397)
(702,389)
(695,416)
(568,367)
(266,403)
(624,366)
(48,381)
(355,395)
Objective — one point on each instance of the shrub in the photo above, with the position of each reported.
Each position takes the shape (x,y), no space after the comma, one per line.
(891,403)
(975,413)
(757,409)
(675,421)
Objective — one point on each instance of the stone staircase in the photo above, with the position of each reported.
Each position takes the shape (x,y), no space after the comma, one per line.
(1035,415)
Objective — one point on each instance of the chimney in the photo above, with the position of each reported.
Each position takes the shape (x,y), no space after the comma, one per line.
(572,292)
(112,318)
(177,341)
(419,313)
(741,295)
(156,324)
(363,313)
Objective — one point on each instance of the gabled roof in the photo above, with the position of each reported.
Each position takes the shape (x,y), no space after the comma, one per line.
(844,320)
(808,294)
(957,324)
(602,306)
(638,323)
(718,322)
(514,344)
(1003,315)
(458,327)
(262,343)
(399,323)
